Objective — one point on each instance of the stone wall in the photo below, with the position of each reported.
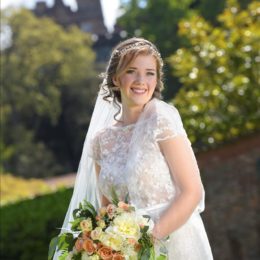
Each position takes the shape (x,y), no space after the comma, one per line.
(231,177)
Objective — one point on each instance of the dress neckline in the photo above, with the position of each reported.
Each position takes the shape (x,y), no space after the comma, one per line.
(123,126)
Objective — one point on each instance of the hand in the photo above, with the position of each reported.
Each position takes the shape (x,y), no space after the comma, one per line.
(156,233)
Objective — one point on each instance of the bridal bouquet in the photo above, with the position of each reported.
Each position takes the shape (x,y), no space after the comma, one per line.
(115,232)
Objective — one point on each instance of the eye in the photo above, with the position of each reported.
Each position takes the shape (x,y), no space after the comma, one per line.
(130,71)
(150,73)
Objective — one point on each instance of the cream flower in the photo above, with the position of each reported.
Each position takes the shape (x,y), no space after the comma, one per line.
(115,241)
(94,257)
(127,225)
(69,256)
(101,223)
(96,233)
(86,224)
(85,256)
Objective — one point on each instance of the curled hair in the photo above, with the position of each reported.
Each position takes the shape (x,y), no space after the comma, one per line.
(123,54)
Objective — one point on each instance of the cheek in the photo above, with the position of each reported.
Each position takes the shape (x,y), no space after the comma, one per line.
(125,80)
(152,84)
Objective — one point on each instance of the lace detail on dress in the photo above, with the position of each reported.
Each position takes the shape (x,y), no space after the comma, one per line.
(131,160)
(94,149)
(169,125)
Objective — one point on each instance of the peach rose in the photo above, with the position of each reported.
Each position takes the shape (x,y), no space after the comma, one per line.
(86,224)
(123,205)
(131,241)
(99,245)
(98,218)
(79,244)
(102,211)
(137,247)
(96,233)
(111,210)
(101,223)
(89,246)
(86,234)
(118,256)
(105,253)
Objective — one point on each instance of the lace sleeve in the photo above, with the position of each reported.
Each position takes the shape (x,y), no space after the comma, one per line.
(94,149)
(169,123)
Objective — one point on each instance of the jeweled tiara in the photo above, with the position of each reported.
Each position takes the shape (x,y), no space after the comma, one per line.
(136,45)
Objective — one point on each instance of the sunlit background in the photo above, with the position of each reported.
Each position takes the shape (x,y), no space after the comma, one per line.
(52,53)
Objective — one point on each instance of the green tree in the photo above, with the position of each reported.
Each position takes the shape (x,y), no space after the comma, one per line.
(157,20)
(48,85)
(220,96)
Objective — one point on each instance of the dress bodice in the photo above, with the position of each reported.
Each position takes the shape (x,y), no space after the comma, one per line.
(151,182)
(131,160)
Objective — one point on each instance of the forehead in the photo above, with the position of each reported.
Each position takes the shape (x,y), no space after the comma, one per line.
(146,60)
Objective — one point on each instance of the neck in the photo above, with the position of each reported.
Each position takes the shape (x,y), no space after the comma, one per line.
(130,114)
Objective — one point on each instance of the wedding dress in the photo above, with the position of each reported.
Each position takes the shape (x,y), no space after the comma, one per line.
(132,163)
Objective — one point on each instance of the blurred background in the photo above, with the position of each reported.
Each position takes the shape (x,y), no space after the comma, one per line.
(51,55)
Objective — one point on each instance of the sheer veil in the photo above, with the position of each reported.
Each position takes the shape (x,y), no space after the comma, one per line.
(85,183)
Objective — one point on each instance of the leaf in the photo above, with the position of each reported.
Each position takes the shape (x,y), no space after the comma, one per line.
(75,224)
(65,240)
(145,254)
(127,198)
(152,253)
(64,255)
(88,206)
(144,229)
(147,216)
(114,196)
(75,211)
(52,247)
(77,256)
(161,257)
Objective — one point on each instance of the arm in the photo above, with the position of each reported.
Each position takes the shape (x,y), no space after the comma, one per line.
(104,200)
(184,169)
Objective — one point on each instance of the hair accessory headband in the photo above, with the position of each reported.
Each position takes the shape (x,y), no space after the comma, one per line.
(135,46)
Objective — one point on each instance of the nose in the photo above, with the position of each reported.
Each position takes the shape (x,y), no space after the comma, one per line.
(140,79)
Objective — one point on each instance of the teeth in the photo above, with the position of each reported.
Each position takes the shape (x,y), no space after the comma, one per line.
(138,91)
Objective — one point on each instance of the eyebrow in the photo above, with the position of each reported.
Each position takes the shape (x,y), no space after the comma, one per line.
(146,69)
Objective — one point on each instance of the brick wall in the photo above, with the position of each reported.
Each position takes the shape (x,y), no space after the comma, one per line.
(231,177)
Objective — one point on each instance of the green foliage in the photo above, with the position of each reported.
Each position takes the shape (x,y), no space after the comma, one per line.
(114,196)
(48,88)
(157,20)
(65,240)
(14,188)
(27,227)
(85,210)
(52,247)
(220,97)
(145,18)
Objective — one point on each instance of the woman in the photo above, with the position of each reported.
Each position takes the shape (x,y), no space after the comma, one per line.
(145,152)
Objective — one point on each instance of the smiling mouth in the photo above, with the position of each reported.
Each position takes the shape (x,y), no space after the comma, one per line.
(138,90)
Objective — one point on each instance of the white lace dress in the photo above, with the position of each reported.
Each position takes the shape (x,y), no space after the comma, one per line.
(132,163)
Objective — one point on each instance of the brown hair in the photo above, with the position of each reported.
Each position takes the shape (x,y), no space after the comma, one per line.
(123,54)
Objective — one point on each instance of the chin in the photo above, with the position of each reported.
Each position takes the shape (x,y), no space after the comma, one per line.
(140,101)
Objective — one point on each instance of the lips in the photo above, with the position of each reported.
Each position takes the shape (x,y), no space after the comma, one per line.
(138,90)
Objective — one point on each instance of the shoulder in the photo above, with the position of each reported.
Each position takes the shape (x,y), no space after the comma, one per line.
(159,110)
(167,121)
(102,133)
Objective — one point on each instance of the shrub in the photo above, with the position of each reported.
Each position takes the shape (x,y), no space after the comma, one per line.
(28,226)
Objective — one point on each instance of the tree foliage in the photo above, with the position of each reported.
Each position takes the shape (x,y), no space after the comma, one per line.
(48,85)
(157,20)
(220,96)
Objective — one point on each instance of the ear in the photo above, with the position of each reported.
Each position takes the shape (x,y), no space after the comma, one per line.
(116,81)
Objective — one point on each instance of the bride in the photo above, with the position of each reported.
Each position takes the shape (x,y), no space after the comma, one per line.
(137,145)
